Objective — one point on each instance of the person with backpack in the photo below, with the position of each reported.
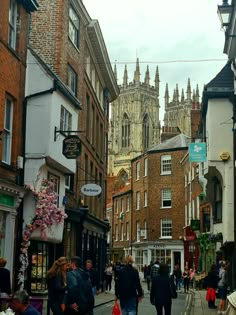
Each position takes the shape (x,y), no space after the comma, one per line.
(128,287)
(79,298)
(155,269)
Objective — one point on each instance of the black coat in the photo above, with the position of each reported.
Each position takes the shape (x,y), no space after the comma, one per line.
(212,279)
(160,290)
(128,283)
(56,289)
(5,281)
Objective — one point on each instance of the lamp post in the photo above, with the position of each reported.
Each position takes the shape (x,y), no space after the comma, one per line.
(224,11)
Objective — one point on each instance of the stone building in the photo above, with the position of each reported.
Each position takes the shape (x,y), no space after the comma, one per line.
(13,42)
(134,124)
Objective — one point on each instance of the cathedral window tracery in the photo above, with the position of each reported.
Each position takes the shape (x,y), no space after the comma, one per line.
(125,131)
(146,132)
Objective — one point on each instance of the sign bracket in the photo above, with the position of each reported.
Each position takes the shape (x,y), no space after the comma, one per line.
(65,131)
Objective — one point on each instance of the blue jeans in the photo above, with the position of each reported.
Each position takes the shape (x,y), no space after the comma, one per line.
(128,306)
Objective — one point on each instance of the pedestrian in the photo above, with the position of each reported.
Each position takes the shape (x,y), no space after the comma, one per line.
(128,288)
(155,269)
(108,277)
(56,281)
(222,286)
(21,305)
(178,276)
(161,290)
(186,277)
(211,283)
(79,298)
(117,268)
(148,276)
(5,279)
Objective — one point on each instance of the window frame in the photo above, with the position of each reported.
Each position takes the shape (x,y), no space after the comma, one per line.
(166,164)
(145,167)
(65,120)
(74,27)
(164,229)
(137,170)
(137,200)
(7,131)
(127,231)
(12,23)
(145,198)
(138,231)
(72,79)
(165,199)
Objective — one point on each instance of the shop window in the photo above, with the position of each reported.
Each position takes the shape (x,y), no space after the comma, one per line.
(39,267)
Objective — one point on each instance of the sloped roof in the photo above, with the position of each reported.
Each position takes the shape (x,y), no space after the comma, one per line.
(177,142)
(223,81)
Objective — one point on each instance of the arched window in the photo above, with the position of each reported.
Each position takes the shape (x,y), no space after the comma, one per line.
(146,132)
(125,132)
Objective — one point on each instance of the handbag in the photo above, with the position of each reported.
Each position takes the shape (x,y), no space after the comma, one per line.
(116,309)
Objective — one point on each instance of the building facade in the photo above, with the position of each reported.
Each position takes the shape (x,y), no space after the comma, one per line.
(13,41)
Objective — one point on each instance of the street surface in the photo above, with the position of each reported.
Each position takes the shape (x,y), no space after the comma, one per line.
(145,307)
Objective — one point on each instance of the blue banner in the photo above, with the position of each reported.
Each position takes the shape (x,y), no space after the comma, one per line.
(197,152)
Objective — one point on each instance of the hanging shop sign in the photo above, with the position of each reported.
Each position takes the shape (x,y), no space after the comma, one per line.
(71,148)
(91,190)
(197,152)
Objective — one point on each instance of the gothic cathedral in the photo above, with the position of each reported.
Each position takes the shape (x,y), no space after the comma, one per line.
(134,124)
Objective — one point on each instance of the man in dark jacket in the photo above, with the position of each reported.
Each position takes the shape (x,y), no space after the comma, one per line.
(128,288)
(79,297)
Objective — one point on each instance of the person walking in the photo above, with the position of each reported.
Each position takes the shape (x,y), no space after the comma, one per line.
(161,295)
(56,281)
(93,276)
(148,276)
(222,287)
(108,277)
(186,277)
(79,298)
(211,283)
(5,279)
(20,304)
(128,288)
(178,276)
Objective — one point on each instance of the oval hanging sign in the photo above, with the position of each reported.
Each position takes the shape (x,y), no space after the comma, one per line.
(91,189)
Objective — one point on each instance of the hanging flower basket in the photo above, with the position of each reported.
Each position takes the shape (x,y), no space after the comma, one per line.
(47,223)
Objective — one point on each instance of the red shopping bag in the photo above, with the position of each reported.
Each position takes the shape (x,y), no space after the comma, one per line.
(116,309)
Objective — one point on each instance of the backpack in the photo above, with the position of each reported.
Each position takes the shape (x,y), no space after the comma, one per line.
(80,292)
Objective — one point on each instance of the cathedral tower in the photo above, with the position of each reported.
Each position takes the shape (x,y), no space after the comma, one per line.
(134,124)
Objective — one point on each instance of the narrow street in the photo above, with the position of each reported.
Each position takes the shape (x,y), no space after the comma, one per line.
(178,307)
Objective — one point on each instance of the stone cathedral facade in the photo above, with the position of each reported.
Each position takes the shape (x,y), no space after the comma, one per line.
(134,125)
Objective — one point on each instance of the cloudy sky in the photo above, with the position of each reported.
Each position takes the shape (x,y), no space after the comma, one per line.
(184,38)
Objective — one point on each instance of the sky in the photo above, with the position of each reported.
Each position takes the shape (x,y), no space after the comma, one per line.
(183,38)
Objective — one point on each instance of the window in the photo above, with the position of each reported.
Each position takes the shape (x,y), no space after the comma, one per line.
(127,204)
(117,206)
(138,232)
(69,182)
(217,205)
(88,130)
(71,79)
(73,27)
(145,166)
(166,228)
(137,170)
(12,24)
(7,131)
(145,230)
(66,119)
(166,198)
(122,205)
(146,132)
(122,232)
(56,181)
(137,200)
(116,232)
(145,198)
(165,164)
(125,132)
(127,231)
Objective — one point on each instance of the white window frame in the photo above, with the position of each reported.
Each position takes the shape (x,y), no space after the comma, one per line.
(71,79)
(122,205)
(74,27)
(138,200)
(122,232)
(137,170)
(117,206)
(166,228)
(145,198)
(127,204)
(7,131)
(127,231)
(12,24)
(145,167)
(145,229)
(65,119)
(116,233)
(166,197)
(138,231)
(165,164)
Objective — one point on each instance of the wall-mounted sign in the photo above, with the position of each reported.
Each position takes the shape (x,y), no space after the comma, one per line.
(91,190)
(197,152)
(71,148)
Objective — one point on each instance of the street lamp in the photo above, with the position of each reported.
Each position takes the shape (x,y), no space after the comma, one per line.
(224,11)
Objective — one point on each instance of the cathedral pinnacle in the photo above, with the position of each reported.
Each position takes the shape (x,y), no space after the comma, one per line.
(157,80)
(147,77)
(115,72)
(177,94)
(189,90)
(166,95)
(197,94)
(182,96)
(137,72)
(125,77)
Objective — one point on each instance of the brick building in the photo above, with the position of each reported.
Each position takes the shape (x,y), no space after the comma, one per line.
(13,40)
